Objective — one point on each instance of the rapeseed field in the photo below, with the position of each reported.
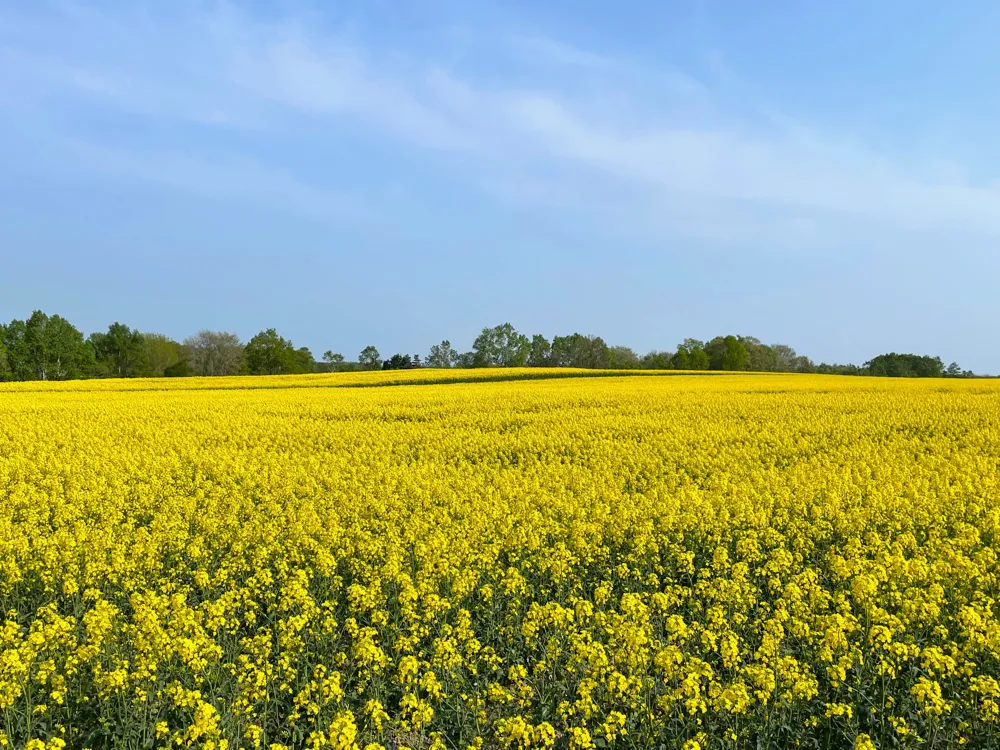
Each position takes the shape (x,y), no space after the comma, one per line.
(667,561)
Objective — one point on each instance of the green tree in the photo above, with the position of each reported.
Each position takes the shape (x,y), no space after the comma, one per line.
(727,353)
(67,354)
(698,360)
(803,364)
(268,353)
(180,369)
(465,360)
(303,360)
(540,353)
(34,339)
(120,352)
(656,360)
(370,359)
(690,355)
(5,373)
(578,350)
(160,353)
(398,362)
(895,365)
(834,369)
(15,342)
(623,358)
(441,355)
(45,348)
(501,346)
(787,359)
(760,357)
(334,359)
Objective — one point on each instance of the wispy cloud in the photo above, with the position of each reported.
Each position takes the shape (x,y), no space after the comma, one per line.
(617,142)
(225,178)
(552,52)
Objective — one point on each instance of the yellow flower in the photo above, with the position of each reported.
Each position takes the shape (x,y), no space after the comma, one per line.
(579,739)
(613,726)
(343,732)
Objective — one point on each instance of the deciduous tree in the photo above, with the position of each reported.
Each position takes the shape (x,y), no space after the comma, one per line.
(369,358)
(578,350)
(726,353)
(623,358)
(268,353)
(398,362)
(442,355)
(501,346)
(120,352)
(334,359)
(161,352)
(212,353)
(541,351)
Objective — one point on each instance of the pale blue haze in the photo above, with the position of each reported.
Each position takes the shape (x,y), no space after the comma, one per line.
(391,172)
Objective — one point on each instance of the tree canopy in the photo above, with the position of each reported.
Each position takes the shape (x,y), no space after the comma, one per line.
(120,352)
(370,359)
(894,365)
(211,353)
(501,346)
(268,353)
(442,355)
(44,347)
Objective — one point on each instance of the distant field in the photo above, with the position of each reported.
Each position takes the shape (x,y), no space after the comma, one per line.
(364,379)
(660,560)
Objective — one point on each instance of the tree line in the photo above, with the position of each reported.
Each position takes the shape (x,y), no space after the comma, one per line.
(45,347)
(49,347)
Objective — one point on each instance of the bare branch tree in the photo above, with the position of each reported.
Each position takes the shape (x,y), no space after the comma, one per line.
(214,353)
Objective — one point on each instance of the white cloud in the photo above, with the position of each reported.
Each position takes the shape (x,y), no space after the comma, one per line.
(218,178)
(550,51)
(722,174)
(239,178)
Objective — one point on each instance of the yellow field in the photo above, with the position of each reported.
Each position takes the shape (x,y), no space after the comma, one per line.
(423,376)
(656,561)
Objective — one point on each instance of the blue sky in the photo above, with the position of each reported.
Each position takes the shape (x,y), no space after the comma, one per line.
(394,172)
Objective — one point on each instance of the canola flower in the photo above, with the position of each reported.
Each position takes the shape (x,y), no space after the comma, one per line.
(682,561)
